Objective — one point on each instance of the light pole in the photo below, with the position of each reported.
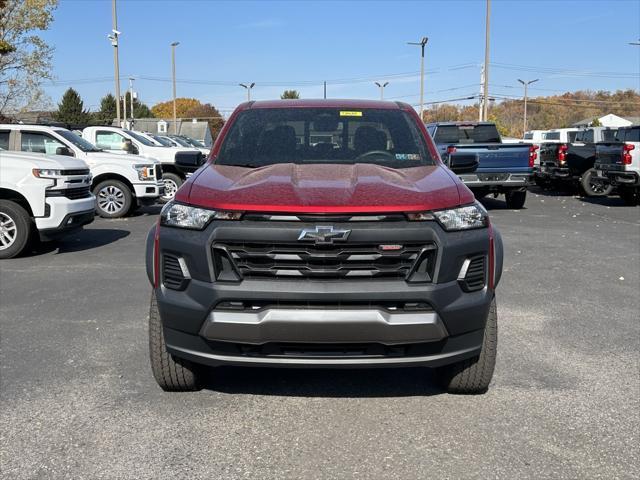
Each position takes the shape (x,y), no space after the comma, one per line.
(485,86)
(248,86)
(422,44)
(131,79)
(113,36)
(381,87)
(173,75)
(526,86)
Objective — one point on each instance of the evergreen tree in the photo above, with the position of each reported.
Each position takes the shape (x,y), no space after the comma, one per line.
(71,109)
(293,94)
(107,111)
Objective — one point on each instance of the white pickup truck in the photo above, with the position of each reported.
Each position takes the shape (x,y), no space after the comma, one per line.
(121,183)
(118,140)
(47,195)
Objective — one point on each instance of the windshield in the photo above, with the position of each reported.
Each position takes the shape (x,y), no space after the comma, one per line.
(141,139)
(467,134)
(165,142)
(192,142)
(78,141)
(266,136)
(181,141)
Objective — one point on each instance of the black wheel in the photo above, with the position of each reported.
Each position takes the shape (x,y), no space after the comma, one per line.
(630,196)
(172,183)
(515,199)
(593,187)
(113,199)
(473,376)
(173,374)
(16,228)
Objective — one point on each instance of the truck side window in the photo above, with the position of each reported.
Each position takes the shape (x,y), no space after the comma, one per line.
(38,142)
(4,140)
(109,140)
(588,136)
(609,135)
(633,135)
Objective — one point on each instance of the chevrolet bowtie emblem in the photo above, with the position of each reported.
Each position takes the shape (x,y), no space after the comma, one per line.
(323,235)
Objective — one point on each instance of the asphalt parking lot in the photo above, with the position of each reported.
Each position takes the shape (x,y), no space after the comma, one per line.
(79,401)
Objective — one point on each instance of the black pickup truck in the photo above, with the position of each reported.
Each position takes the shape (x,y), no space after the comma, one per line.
(618,162)
(563,164)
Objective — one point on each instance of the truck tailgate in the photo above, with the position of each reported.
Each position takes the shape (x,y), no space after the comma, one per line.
(497,158)
(609,153)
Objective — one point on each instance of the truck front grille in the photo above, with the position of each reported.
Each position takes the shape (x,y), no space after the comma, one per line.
(70,193)
(352,261)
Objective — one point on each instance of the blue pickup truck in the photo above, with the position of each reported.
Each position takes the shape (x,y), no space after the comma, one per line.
(474,150)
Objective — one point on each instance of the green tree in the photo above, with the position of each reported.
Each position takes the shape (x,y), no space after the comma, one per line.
(140,110)
(107,111)
(292,94)
(25,58)
(208,112)
(596,123)
(71,109)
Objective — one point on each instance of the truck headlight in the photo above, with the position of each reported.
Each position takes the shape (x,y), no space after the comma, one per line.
(461,218)
(46,172)
(145,172)
(185,216)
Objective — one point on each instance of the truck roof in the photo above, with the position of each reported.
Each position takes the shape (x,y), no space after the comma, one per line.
(462,122)
(324,103)
(20,126)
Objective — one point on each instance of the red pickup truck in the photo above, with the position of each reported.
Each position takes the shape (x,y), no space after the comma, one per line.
(324,233)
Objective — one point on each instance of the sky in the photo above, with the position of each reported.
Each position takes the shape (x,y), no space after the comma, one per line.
(567,45)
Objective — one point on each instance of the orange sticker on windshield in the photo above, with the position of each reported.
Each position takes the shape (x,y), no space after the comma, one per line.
(350,114)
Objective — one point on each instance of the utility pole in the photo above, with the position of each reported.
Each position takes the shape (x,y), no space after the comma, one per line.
(173,75)
(124,105)
(422,44)
(481,96)
(325,90)
(485,88)
(248,86)
(381,87)
(526,85)
(131,79)
(113,36)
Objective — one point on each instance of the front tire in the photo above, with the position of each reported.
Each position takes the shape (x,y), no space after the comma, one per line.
(113,199)
(173,374)
(172,183)
(16,228)
(593,187)
(473,376)
(515,199)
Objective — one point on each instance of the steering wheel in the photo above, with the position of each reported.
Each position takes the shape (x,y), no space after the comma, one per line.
(376,152)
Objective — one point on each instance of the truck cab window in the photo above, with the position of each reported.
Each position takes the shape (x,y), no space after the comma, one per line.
(38,142)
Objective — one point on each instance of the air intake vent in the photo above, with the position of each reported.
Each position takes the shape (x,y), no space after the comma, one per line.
(473,277)
(173,274)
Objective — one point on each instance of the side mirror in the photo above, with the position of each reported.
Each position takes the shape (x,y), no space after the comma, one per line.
(66,151)
(463,164)
(189,162)
(129,147)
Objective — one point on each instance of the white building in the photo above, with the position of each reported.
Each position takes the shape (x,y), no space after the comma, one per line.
(609,120)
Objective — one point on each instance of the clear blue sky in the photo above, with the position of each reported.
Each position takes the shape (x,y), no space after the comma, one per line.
(569,45)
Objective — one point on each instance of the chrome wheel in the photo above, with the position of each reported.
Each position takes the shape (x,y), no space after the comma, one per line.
(170,189)
(111,199)
(8,231)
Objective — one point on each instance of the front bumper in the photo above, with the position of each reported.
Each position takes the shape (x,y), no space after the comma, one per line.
(65,214)
(329,323)
(149,190)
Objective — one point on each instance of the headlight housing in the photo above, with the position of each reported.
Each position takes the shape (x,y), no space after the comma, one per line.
(46,172)
(185,216)
(145,172)
(461,218)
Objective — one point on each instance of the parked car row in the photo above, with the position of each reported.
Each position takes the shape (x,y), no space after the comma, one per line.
(53,180)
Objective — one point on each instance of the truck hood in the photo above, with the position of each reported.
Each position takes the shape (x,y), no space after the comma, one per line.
(319,188)
(40,160)
(119,158)
(165,154)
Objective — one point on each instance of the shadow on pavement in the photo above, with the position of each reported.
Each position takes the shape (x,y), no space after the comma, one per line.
(331,383)
(85,239)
